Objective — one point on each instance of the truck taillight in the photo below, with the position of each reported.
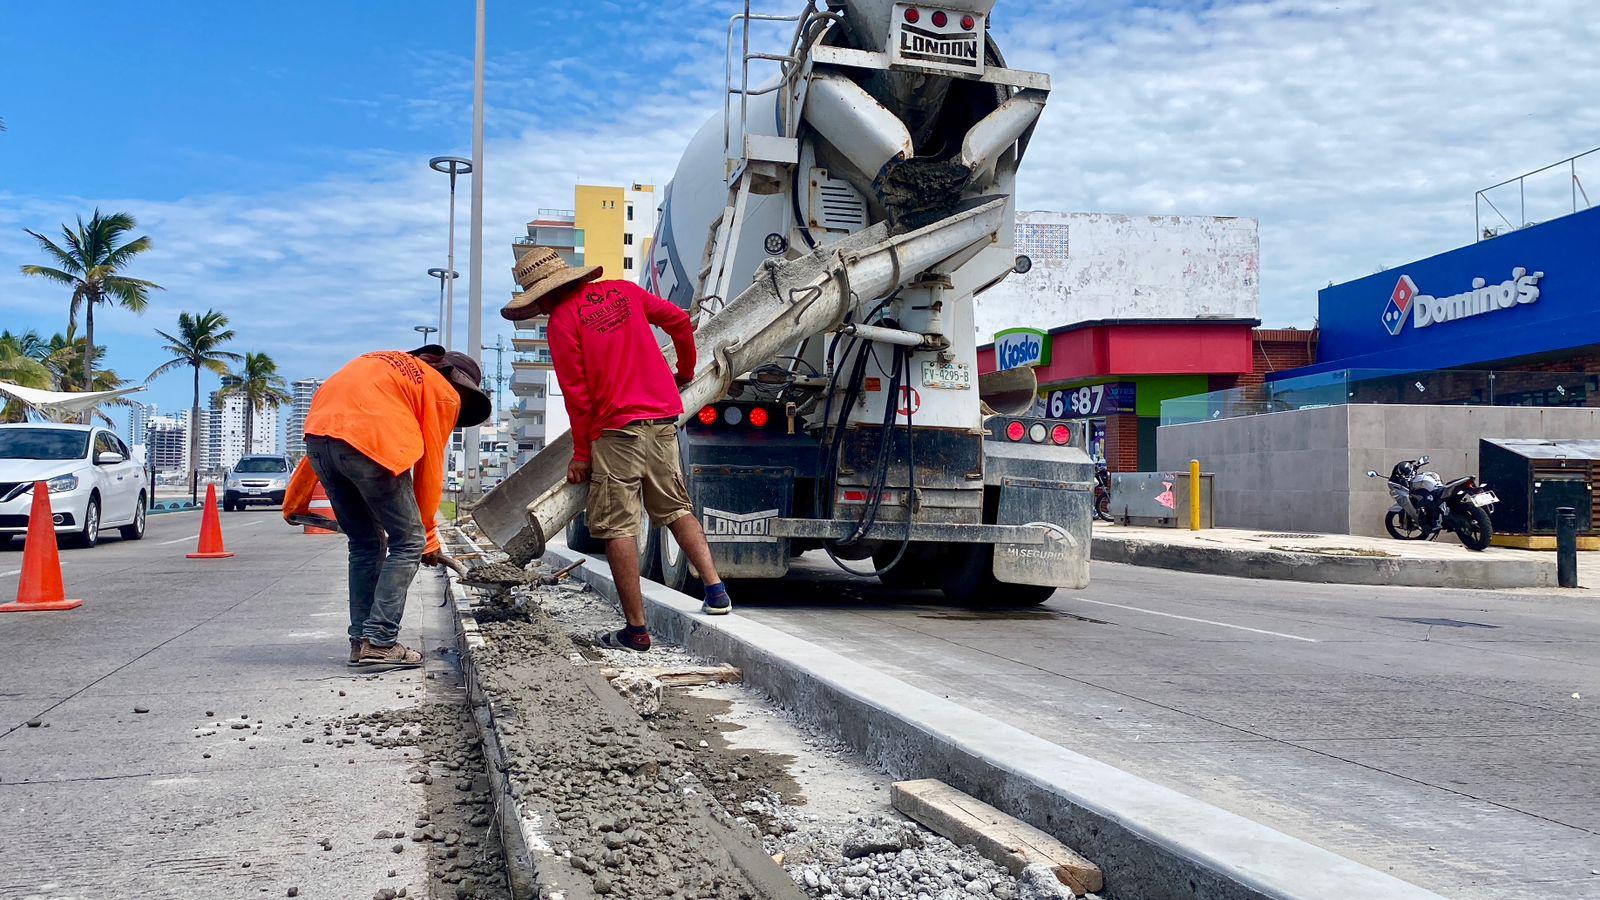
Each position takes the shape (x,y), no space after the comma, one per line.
(1015,431)
(708,416)
(1060,435)
(853,496)
(912,16)
(758,418)
(1037,432)
(967,22)
(940,19)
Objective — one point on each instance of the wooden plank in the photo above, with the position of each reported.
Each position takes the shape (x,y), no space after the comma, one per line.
(1004,839)
(684,676)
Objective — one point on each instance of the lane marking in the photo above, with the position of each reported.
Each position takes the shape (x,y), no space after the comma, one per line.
(1292,637)
(12,572)
(192,537)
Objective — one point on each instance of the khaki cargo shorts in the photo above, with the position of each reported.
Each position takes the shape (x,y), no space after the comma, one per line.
(632,466)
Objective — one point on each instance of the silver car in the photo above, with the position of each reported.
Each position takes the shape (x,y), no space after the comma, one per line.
(256,479)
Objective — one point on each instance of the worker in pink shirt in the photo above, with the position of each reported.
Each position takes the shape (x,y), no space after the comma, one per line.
(624,405)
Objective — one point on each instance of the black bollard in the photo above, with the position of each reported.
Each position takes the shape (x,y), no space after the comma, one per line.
(1566,547)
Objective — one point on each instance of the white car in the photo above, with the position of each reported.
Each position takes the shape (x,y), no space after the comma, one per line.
(94,481)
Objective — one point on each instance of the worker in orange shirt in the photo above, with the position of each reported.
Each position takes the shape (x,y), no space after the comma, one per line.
(376,437)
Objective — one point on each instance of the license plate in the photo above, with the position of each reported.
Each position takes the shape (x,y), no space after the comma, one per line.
(253,490)
(1485,498)
(946,376)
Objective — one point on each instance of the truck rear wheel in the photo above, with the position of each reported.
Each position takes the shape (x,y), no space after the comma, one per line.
(675,570)
(579,539)
(967,577)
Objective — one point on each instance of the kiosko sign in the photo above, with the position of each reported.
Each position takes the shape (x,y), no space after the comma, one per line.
(1016,348)
(1424,310)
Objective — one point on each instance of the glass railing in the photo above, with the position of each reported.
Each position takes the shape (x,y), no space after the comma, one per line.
(1445,387)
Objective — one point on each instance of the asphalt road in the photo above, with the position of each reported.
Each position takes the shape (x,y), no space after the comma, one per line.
(100,800)
(1446,737)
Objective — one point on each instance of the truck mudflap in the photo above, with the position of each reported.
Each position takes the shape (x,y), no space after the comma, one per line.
(1062,509)
(737,506)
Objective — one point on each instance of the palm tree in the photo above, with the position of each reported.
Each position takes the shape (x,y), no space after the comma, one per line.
(259,383)
(89,264)
(198,345)
(19,366)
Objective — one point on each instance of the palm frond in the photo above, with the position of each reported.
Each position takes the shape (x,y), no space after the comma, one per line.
(64,259)
(50,274)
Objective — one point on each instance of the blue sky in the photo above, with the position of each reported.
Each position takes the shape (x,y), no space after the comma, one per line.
(276,153)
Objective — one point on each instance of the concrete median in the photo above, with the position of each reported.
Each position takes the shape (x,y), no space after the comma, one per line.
(1151,841)
(1323,558)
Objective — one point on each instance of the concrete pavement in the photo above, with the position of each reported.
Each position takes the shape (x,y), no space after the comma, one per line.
(1427,733)
(99,800)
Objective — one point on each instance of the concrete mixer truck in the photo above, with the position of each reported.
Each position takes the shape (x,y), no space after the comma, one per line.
(828,231)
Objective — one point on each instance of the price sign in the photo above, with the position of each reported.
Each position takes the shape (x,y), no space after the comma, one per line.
(1090,401)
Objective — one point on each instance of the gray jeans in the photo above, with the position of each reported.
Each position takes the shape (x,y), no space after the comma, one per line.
(378,512)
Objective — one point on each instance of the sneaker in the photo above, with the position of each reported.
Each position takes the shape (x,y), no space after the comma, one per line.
(394,656)
(355,652)
(622,640)
(719,605)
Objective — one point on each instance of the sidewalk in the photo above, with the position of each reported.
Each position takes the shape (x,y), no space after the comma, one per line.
(167,739)
(1326,558)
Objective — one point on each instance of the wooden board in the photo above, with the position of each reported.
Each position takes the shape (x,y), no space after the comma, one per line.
(683,676)
(999,837)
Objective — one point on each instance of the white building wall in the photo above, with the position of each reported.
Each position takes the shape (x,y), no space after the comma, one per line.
(295,430)
(1090,267)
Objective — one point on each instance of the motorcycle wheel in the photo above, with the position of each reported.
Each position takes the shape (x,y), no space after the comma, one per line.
(1473,529)
(1102,507)
(1401,527)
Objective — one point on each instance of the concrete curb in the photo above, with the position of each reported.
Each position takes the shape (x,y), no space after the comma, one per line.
(1492,573)
(519,833)
(1151,841)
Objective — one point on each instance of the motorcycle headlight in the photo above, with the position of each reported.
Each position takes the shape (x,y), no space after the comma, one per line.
(62,483)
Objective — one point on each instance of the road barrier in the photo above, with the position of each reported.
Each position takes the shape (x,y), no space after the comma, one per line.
(40,589)
(210,530)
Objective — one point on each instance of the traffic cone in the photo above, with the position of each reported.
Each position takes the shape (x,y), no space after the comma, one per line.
(321,507)
(210,530)
(40,589)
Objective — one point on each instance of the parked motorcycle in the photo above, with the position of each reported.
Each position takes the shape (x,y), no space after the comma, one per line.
(1425,505)
(1102,491)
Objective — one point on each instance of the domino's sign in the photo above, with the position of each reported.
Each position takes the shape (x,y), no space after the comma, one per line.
(1016,348)
(1424,311)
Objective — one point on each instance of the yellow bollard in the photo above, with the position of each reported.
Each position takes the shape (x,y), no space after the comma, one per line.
(1194,495)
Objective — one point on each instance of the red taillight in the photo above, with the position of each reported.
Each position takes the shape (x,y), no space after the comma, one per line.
(1060,435)
(939,19)
(758,417)
(912,16)
(853,496)
(708,416)
(1015,431)
(967,22)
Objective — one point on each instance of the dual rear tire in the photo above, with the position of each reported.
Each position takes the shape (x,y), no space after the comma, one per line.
(964,572)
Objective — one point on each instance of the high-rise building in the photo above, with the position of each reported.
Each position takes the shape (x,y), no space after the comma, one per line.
(300,407)
(222,437)
(167,443)
(610,227)
(139,415)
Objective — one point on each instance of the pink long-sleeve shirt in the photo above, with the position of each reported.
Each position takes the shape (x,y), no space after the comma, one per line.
(612,371)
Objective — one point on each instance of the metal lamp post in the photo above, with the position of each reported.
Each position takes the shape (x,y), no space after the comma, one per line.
(424,330)
(443,275)
(452,166)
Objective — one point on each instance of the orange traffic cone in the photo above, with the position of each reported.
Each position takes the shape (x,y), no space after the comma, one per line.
(40,588)
(210,530)
(321,507)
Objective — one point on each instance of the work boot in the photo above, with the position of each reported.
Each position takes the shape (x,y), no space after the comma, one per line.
(394,656)
(355,652)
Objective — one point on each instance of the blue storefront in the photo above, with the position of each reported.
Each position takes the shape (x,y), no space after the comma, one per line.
(1512,320)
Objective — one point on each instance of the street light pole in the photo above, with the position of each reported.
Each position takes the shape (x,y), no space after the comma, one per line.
(424,330)
(452,166)
(475,266)
(442,274)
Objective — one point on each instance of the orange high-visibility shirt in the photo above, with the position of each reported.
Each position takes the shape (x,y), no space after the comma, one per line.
(399,412)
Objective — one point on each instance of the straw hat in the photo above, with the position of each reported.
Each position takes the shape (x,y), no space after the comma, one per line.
(540,272)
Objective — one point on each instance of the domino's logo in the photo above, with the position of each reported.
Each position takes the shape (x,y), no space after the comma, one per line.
(1394,314)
